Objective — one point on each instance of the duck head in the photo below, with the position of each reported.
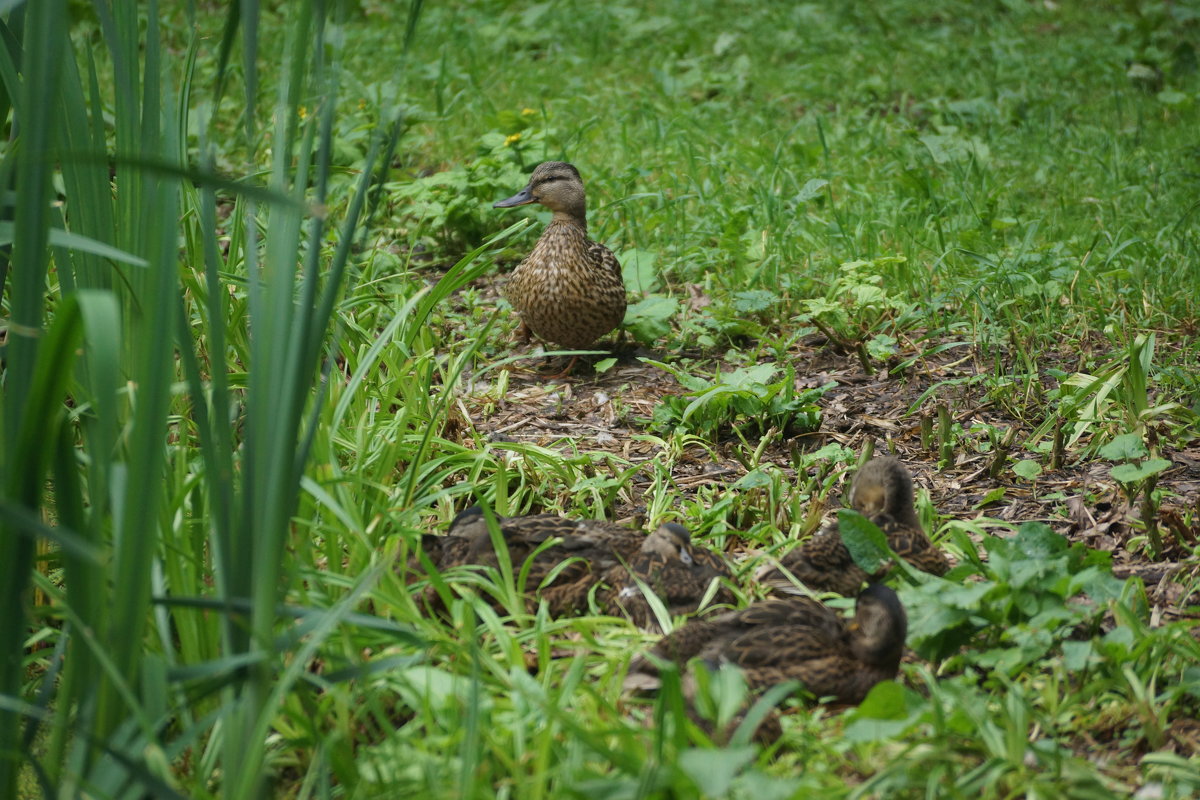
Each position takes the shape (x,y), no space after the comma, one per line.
(669,540)
(880,627)
(554,184)
(882,488)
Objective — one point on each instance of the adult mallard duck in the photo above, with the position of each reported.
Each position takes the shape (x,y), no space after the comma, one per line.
(569,290)
(792,638)
(670,566)
(882,491)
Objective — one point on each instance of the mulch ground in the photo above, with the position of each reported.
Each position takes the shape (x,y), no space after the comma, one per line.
(587,411)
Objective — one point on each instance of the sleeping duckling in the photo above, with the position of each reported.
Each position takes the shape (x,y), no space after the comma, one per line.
(671,567)
(883,492)
(565,572)
(792,638)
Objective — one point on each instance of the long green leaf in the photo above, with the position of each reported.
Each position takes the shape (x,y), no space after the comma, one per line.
(33,386)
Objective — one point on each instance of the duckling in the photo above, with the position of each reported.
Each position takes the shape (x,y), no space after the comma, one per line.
(586,551)
(569,290)
(792,638)
(669,565)
(883,492)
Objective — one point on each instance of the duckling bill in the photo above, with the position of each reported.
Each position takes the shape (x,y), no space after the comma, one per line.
(569,290)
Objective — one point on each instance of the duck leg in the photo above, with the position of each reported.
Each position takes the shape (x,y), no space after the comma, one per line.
(565,372)
(522,334)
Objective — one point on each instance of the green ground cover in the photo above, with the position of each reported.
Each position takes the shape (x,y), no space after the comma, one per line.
(963,232)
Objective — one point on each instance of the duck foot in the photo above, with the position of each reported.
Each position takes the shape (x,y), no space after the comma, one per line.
(565,372)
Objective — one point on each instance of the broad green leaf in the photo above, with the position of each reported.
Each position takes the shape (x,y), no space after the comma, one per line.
(650,319)
(881,346)
(1191,680)
(831,452)
(638,272)
(1027,469)
(950,148)
(1097,583)
(754,479)
(818,306)
(729,691)
(1132,473)
(747,377)
(866,542)
(762,786)
(886,700)
(1037,541)
(754,301)
(887,711)
(1126,447)
(1076,655)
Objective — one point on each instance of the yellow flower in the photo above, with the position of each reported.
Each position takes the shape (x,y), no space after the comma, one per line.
(512,139)
(303,112)
(527,112)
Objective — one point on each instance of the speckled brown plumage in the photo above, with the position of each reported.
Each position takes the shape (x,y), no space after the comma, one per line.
(883,492)
(793,638)
(569,290)
(671,567)
(587,550)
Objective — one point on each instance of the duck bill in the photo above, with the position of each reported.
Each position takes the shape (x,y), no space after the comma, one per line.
(521,198)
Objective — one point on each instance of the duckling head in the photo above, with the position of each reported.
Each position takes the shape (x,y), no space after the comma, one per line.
(554,184)
(883,487)
(880,627)
(669,540)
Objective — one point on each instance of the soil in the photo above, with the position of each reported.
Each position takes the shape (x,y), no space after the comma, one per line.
(604,411)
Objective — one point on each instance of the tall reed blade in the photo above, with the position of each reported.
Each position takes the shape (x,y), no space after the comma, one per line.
(27,423)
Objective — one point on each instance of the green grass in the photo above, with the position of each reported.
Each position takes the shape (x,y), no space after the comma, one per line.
(221,444)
